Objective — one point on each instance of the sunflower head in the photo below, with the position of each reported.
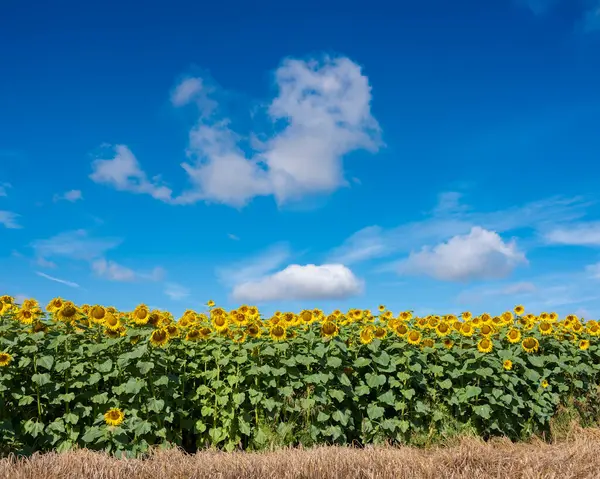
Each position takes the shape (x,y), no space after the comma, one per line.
(54,305)
(545,328)
(448,343)
(277,332)
(97,313)
(513,336)
(413,337)
(484,345)
(329,329)
(584,344)
(210,303)
(401,330)
(366,335)
(114,417)
(507,364)
(530,344)
(544,383)
(159,337)
(428,343)
(519,309)
(141,314)
(5,359)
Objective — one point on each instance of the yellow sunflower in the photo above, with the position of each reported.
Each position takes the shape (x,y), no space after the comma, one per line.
(380,333)
(381,308)
(159,337)
(329,329)
(172,331)
(5,359)
(210,303)
(513,335)
(114,417)
(487,330)
(193,335)
(253,330)
(544,384)
(277,333)
(545,328)
(584,344)
(25,316)
(530,344)
(413,337)
(466,329)
(467,315)
(485,345)
(507,364)
(443,329)
(428,343)
(97,314)
(519,309)
(220,322)
(67,313)
(366,335)
(111,321)
(54,305)
(141,315)
(448,343)
(401,330)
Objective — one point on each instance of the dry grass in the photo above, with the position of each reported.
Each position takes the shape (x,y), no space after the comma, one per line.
(470,458)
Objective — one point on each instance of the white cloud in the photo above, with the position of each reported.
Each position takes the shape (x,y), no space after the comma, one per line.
(57,280)
(112,271)
(185,91)
(481,254)
(450,218)
(176,292)
(9,220)
(255,267)
(3,187)
(77,244)
(233,237)
(323,110)
(297,282)
(593,270)
(578,234)
(71,195)
(44,263)
(122,171)
(519,288)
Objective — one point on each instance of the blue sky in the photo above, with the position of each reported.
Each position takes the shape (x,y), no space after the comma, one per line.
(436,156)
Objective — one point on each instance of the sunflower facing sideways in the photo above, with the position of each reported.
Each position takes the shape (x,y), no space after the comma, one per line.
(114,417)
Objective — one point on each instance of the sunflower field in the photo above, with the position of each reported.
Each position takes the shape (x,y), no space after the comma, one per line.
(95,377)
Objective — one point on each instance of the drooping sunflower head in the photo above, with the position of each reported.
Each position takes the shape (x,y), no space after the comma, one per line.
(507,364)
(329,329)
(238,336)
(530,344)
(5,359)
(67,313)
(172,331)
(30,304)
(485,345)
(253,330)
(159,337)
(448,343)
(192,335)
(114,417)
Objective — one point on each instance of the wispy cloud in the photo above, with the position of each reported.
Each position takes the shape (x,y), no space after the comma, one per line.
(451,218)
(58,280)
(77,244)
(3,188)
(176,291)
(325,107)
(114,271)
(578,234)
(9,220)
(233,237)
(255,267)
(71,195)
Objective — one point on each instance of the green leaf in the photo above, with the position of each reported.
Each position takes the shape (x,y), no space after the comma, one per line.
(483,411)
(445,384)
(155,405)
(46,362)
(472,391)
(375,380)
(485,372)
(536,361)
(71,418)
(142,427)
(375,412)
(162,381)
(145,366)
(239,398)
(62,366)
(101,398)
(362,390)
(244,426)
(41,379)
(408,393)
(340,417)
(334,362)
(361,362)
(26,400)
(388,398)
(104,367)
(382,358)
(337,394)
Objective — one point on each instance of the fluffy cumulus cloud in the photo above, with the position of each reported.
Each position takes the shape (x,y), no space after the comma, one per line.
(579,234)
(481,254)
(301,282)
(322,112)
